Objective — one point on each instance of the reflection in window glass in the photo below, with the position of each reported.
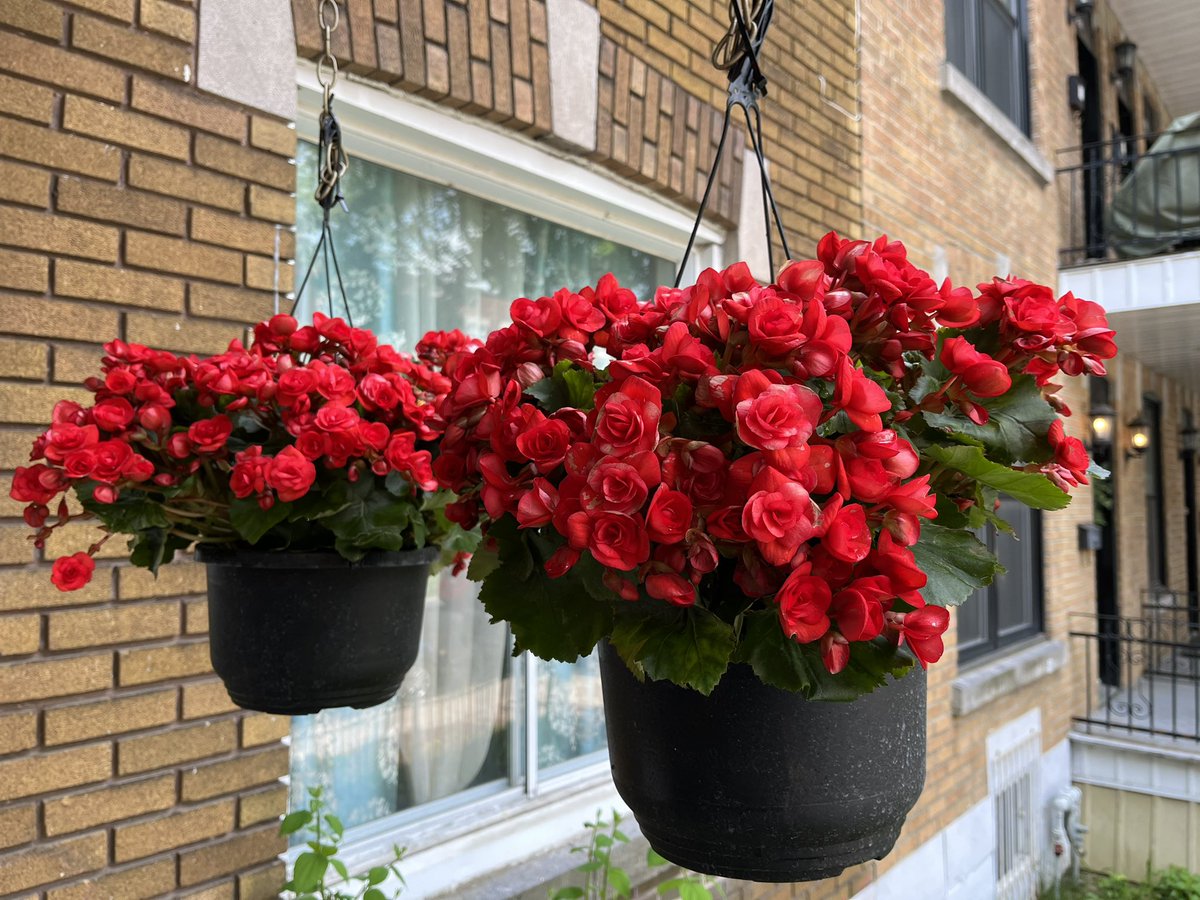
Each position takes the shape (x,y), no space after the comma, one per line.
(417,256)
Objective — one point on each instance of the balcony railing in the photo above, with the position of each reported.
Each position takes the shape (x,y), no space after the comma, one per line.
(1142,673)
(1123,200)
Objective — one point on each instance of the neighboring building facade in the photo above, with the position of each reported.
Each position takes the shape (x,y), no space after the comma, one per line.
(148,191)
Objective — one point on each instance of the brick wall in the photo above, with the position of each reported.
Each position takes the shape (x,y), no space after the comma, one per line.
(132,206)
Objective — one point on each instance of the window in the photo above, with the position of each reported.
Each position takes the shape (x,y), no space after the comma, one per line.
(473,733)
(1156,549)
(1010,609)
(986,40)
(1014,783)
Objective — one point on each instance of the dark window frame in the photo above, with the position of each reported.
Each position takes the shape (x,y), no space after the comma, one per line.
(966,50)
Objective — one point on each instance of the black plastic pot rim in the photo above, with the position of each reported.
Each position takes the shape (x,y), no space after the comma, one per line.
(233,555)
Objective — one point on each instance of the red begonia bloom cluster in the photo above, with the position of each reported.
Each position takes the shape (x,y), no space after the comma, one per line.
(753,429)
(173,443)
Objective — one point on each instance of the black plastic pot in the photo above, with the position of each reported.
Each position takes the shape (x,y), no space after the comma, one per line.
(295,633)
(757,783)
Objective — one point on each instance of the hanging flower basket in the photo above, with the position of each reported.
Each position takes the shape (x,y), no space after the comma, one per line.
(299,466)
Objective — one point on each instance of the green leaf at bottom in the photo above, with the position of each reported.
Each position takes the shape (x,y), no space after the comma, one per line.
(689,646)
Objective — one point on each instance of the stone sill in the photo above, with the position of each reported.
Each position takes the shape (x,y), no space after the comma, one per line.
(955,84)
(997,677)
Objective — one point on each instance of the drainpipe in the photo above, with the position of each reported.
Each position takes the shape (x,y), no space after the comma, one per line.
(1068,831)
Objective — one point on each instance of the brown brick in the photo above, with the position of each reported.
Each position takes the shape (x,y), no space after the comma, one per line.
(73,365)
(114,9)
(20,589)
(174,580)
(83,721)
(163,663)
(122,625)
(263,806)
(178,828)
(186,183)
(26,100)
(18,825)
(20,635)
(143,51)
(188,335)
(68,152)
(18,732)
(268,134)
(93,282)
(166,18)
(154,879)
(205,699)
(53,862)
(152,251)
(112,204)
(157,751)
(68,237)
(23,271)
(45,772)
(245,162)
(77,811)
(31,404)
(121,126)
(274,206)
(262,884)
(230,855)
(54,678)
(195,617)
(264,729)
(22,184)
(240,233)
(22,359)
(61,67)
(260,273)
(245,771)
(222,891)
(216,302)
(181,104)
(29,316)
(36,16)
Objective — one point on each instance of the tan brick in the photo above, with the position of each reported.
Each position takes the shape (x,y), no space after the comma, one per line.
(166,18)
(15,546)
(54,678)
(18,732)
(20,635)
(83,721)
(67,152)
(238,304)
(263,806)
(157,751)
(45,772)
(18,825)
(154,879)
(262,884)
(114,9)
(23,271)
(35,16)
(152,251)
(22,359)
(22,184)
(20,589)
(206,699)
(240,233)
(260,273)
(89,281)
(121,126)
(72,365)
(268,134)
(78,536)
(182,104)
(175,580)
(245,162)
(274,206)
(32,404)
(230,855)
(25,100)
(122,625)
(188,335)
(114,803)
(177,829)
(222,891)
(163,663)
(15,445)
(143,51)
(195,617)
(34,317)
(63,68)
(68,237)
(53,862)
(112,204)
(245,771)
(174,180)
(264,729)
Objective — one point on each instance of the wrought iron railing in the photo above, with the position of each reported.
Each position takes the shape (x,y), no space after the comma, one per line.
(1142,674)
(1122,200)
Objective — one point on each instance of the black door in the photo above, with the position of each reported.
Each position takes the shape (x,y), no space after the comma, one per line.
(1091,134)
(1189,527)
(1104,499)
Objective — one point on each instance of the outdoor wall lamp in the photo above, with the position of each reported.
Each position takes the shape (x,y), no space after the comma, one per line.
(1080,12)
(1126,53)
(1189,440)
(1103,423)
(1139,437)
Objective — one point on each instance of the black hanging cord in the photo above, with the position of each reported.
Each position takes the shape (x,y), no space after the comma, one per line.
(332,163)
(737,52)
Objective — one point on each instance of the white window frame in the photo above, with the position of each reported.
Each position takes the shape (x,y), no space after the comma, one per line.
(457,840)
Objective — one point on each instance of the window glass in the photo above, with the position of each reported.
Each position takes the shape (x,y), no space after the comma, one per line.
(985,40)
(416,256)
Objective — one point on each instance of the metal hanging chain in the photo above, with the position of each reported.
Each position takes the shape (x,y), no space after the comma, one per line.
(737,53)
(332,161)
